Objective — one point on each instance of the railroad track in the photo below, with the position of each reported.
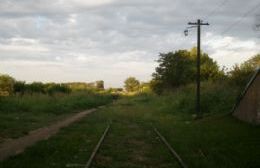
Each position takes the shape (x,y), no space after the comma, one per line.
(101,140)
(92,156)
(173,152)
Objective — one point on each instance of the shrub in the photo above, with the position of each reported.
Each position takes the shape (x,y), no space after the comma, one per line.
(241,74)
(6,85)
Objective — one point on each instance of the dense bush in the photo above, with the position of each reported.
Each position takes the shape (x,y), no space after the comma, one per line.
(179,68)
(19,87)
(53,88)
(241,74)
(100,85)
(132,84)
(216,97)
(9,86)
(35,87)
(6,85)
(175,79)
(58,103)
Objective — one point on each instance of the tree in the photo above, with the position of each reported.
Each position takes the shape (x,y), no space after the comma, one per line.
(174,68)
(6,84)
(81,86)
(209,69)
(52,88)
(179,68)
(19,87)
(145,87)
(241,74)
(132,84)
(100,85)
(156,86)
(36,87)
(253,62)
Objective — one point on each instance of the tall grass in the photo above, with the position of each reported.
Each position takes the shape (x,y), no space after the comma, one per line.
(216,97)
(211,142)
(20,114)
(217,140)
(59,103)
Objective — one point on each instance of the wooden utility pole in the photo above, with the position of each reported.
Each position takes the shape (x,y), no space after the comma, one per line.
(199,23)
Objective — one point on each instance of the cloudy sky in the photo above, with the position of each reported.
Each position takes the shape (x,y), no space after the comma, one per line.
(89,40)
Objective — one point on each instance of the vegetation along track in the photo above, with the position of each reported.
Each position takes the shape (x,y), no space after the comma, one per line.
(163,140)
(175,154)
(97,147)
(16,146)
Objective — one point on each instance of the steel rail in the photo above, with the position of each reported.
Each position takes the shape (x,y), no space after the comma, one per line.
(97,147)
(175,154)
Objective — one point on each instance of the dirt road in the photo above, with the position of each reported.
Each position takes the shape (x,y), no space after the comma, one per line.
(17,146)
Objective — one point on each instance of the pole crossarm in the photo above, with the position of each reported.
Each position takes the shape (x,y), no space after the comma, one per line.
(196,23)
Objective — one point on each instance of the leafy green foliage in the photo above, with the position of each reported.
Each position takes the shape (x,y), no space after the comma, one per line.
(179,68)
(241,74)
(145,87)
(100,85)
(36,87)
(213,142)
(216,97)
(9,85)
(156,86)
(174,68)
(254,62)
(78,86)
(6,85)
(19,87)
(57,88)
(132,84)
(19,115)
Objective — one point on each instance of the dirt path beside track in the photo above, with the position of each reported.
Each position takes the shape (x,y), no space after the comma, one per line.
(16,146)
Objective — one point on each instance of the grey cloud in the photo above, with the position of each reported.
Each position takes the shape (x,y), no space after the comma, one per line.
(82,34)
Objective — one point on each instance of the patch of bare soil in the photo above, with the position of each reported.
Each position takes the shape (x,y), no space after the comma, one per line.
(16,146)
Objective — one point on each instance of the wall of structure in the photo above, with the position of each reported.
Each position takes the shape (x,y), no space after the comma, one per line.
(248,108)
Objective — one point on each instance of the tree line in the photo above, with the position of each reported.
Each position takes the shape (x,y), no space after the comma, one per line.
(178,68)
(10,86)
(174,69)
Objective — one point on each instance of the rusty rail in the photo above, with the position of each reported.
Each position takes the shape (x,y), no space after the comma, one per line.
(97,147)
(175,154)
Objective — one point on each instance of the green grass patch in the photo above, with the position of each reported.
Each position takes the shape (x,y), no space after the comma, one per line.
(72,145)
(217,140)
(21,114)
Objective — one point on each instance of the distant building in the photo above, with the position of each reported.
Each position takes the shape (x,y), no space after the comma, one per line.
(248,105)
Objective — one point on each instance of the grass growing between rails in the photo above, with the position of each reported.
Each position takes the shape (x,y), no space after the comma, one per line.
(128,144)
(217,140)
(21,114)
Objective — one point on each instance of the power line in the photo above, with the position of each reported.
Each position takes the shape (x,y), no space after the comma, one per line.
(232,25)
(215,10)
(240,19)
(237,22)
